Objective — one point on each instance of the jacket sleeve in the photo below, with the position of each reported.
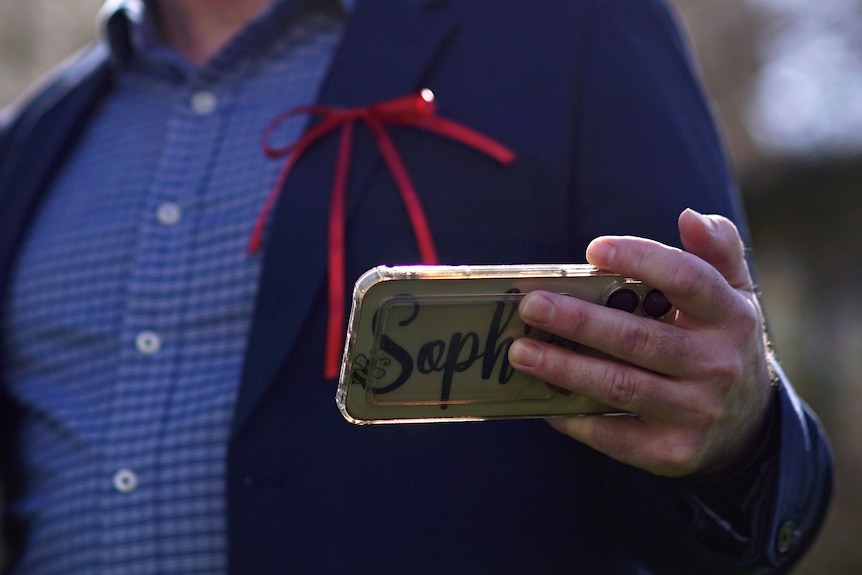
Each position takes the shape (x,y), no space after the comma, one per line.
(774,521)
(648,146)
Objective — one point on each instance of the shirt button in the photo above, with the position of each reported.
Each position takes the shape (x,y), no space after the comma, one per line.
(125,481)
(168,214)
(204,103)
(148,342)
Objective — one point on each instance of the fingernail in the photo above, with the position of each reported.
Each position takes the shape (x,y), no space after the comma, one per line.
(601,253)
(537,308)
(706,221)
(524,352)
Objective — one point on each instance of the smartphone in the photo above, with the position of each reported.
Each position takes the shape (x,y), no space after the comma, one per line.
(430,343)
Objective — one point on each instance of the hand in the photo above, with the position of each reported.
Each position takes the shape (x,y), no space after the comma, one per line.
(700,387)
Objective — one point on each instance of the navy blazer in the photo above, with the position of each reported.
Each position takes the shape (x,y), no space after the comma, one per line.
(612,135)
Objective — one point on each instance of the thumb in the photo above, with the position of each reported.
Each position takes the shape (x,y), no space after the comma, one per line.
(716,240)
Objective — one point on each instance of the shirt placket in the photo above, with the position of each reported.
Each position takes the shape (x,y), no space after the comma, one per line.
(150,339)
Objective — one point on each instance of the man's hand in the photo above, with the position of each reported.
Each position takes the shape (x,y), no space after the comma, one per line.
(700,387)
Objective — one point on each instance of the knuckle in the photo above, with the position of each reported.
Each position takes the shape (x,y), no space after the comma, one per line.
(681,456)
(560,367)
(710,413)
(635,341)
(749,317)
(576,321)
(690,280)
(621,388)
(724,375)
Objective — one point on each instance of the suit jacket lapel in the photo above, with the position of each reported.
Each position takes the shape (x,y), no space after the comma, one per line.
(386,48)
(28,165)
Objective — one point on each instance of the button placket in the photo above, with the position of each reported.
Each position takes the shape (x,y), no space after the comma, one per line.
(151,337)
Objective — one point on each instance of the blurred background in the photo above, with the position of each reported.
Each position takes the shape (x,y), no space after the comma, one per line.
(785,79)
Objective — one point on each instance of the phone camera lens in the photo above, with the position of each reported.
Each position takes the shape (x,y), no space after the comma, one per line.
(623,299)
(656,304)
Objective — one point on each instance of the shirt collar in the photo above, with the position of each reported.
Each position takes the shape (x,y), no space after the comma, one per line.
(128,26)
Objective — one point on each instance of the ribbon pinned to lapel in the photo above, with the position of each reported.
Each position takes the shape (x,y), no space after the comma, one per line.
(415,110)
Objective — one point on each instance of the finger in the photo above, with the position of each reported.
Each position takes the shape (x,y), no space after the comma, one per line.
(642,341)
(621,386)
(694,286)
(716,240)
(635,441)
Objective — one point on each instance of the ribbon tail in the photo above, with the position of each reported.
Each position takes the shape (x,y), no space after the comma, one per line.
(256,239)
(337,257)
(294,153)
(412,203)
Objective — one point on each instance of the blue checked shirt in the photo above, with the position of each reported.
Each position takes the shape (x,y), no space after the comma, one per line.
(131,302)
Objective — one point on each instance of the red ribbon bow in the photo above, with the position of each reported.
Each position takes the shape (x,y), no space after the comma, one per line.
(417,110)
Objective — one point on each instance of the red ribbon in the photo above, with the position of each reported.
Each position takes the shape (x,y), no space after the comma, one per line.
(416,110)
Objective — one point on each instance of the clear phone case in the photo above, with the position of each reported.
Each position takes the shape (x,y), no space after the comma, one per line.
(430,343)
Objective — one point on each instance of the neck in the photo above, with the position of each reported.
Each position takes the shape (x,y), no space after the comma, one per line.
(198,29)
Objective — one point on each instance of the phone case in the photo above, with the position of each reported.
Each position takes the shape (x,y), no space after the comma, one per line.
(430,343)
